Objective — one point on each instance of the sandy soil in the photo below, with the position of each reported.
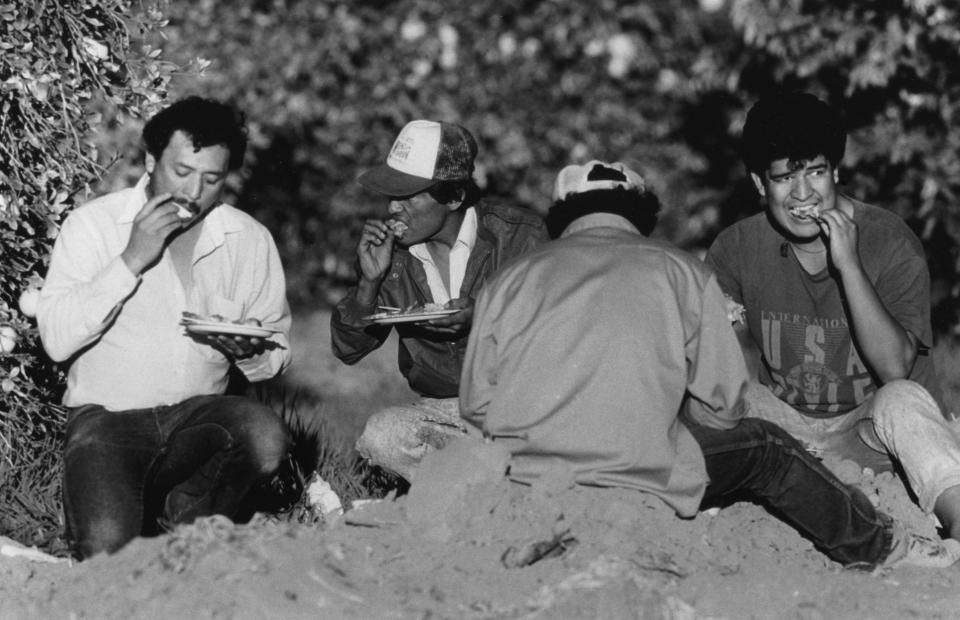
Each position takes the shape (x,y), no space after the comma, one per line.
(465,542)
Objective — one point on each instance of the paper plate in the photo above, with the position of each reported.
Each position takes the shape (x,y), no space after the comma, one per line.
(228,329)
(387,318)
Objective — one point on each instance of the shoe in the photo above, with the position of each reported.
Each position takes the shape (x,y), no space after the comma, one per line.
(910,549)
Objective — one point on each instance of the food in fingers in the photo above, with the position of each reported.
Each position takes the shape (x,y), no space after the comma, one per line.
(186,208)
(376,232)
(806,212)
(397,227)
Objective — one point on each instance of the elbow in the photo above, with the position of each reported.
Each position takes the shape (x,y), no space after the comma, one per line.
(893,372)
(896,369)
(55,353)
(352,350)
(347,357)
(907,361)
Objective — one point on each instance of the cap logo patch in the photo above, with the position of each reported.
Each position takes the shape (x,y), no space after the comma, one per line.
(401,150)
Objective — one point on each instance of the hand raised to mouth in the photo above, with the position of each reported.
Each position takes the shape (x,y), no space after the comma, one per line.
(186,208)
(397,227)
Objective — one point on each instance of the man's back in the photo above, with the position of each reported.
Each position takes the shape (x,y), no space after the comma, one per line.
(592,343)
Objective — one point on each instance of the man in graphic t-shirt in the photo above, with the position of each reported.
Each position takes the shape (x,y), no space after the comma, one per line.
(837,301)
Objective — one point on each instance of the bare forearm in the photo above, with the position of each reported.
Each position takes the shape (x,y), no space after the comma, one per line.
(888,349)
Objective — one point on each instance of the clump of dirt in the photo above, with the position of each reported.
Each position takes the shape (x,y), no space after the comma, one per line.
(466,542)
(888,493)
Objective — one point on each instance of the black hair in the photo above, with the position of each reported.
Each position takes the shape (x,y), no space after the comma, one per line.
(639,208)
(207,122)
(446,192)
(791,125)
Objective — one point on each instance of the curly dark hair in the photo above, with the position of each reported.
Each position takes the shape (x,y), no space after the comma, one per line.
(640,208)
(446,192)
(208,122)
(791,125)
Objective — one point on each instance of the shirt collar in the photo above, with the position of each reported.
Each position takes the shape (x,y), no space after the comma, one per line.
(137,199)
(466,237)
(599,220)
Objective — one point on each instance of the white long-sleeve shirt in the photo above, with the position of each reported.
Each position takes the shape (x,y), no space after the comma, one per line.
(121,333)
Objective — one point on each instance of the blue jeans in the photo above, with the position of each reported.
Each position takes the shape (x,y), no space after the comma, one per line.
(762,460)
(129,473)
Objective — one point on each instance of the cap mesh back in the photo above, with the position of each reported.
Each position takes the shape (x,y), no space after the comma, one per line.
(456,153)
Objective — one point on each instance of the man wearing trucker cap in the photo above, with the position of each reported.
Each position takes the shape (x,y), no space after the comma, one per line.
(435,246)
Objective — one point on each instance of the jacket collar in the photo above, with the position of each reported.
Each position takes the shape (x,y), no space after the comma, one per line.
(599,220)
(483,247)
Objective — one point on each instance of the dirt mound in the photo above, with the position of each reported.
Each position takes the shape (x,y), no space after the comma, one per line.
(467,543)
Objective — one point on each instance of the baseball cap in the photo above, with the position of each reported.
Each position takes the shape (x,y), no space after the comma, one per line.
(594,175)
(425,153)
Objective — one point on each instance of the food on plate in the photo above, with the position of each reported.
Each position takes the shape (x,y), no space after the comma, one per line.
(427,307)
(218,325)
(193,317)
(397,227)
(415,312)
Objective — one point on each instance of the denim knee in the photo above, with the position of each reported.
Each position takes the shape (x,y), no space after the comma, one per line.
(260,430)
(102,536)
(85,428)
(765,431)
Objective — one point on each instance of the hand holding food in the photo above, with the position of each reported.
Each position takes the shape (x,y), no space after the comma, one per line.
(842,239)
(152,227)
(397,227)
(375,249)
(186,209)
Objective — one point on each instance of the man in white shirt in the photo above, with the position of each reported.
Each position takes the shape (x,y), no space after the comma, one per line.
(437,246)
(151,437)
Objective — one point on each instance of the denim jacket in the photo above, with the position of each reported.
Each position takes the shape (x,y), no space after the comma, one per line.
(430,362)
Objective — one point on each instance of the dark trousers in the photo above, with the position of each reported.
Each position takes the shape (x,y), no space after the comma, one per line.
(761,459)
(127,473)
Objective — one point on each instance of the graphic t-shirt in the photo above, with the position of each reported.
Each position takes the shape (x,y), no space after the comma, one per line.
(798,320)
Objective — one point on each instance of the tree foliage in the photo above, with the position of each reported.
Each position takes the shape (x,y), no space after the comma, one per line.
(894,67)
(327,86)
(663,86)
(56,60)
